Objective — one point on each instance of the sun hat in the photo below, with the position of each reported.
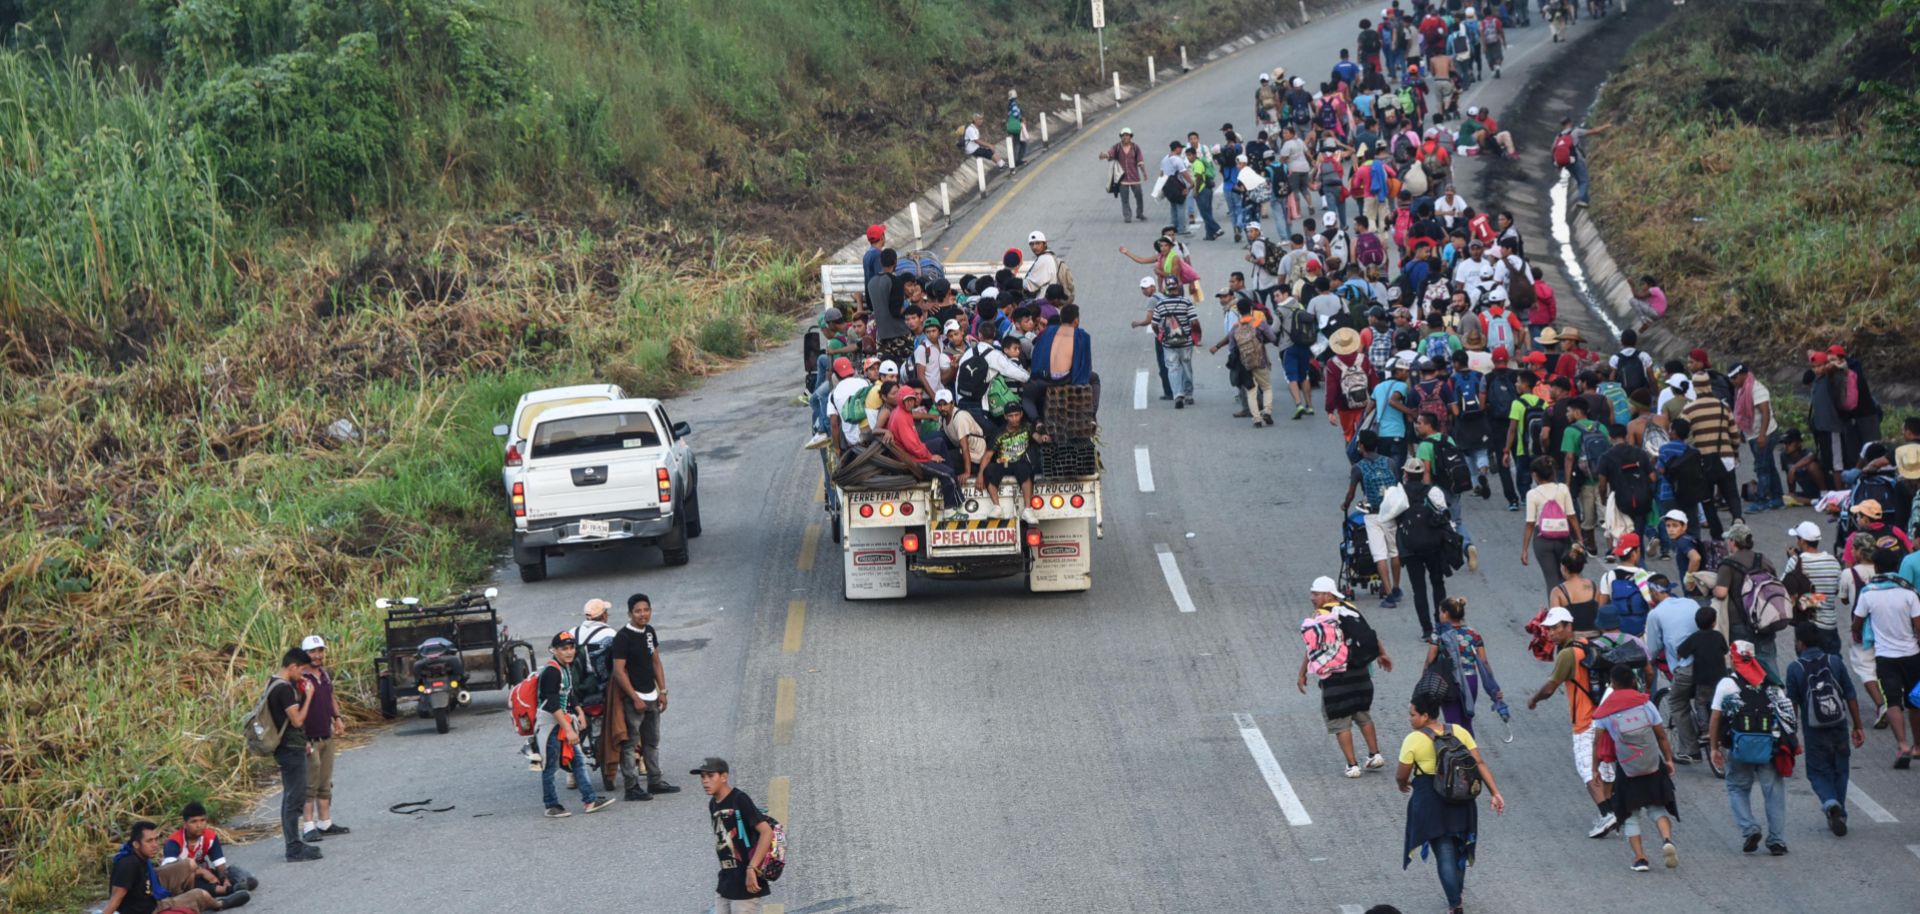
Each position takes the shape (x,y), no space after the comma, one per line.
(1907,458)
(1549,337)
(1345,341)
(1869,509)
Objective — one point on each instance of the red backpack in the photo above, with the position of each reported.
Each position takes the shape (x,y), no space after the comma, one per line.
(1563,150)
(523,702)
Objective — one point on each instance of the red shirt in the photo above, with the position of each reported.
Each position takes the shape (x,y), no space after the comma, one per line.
(1544,311)
(906,434)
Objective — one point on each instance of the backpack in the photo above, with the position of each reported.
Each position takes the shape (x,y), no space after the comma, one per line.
(969,379)
(263,738)
(1553,524)
(1174,189)
(1431,398)
(1376,477)
(1628,601)
(1468,387)
(1826,706)
(1173,332)
(1594,445)
(775,863)
(1456,775)
(1327,649)
(1302,327)
(1436,346)
(1368,250)
(1563,149)
(1353,386)
(1423,527)
(1688,475)
(1499,331)
(1653,438)
(523,701)
(1637,750)
(855,412)
(1765,601)
(1533,421)
(1270,256)
(1599,662)
(1520,291)
(1063,276)
(1000,395)
(1502,390)
(1450,470)
(1633,371)
(1751,731)
(1369,42)
(1247,342)
(1633,496)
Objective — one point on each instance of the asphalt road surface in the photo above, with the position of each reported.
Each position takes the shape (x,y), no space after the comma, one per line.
(975,748)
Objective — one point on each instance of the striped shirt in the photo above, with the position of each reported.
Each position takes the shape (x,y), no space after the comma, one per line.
(1712,427)
(1824,571)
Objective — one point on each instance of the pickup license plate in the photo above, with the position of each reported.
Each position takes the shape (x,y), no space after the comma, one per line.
(594,528)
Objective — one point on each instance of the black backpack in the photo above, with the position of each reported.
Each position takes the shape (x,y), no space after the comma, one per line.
(1633,372)
(971,378)
(1533,423)
(1687,473)
(1599,661)
(1633,493)
(1450,470)
(1423,528)
(1503,388)
(1369,41)
(1456,775)
(1302,327)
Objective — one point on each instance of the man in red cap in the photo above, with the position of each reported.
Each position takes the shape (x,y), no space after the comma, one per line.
(870,261)
(1502,391)
(1698,362)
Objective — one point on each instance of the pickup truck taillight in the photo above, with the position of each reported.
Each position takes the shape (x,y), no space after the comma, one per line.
(666,485)
(513,454)
(519,499)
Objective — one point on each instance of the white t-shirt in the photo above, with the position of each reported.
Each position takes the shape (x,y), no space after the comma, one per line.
(1726,689)
(1762,395)
(1044,272)
(1258,277)
(973,139)
(1472,275)
(1450,205)
(837,402)
(928,355)
(1891,611)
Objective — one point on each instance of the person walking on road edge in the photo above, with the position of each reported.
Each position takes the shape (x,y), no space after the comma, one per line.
(742,837)
(1347,694)
(642,680)
(558,702)
(1449,830)
(323,724)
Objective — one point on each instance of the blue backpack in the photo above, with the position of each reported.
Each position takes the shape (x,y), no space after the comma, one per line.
(1629,603)
(1469,390)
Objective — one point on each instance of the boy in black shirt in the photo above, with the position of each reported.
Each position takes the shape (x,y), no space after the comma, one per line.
(742,837)
(554,719)
(641,682)
(1707,647)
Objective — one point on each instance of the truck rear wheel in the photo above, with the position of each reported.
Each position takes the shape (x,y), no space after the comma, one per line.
(673,546)
(535,571)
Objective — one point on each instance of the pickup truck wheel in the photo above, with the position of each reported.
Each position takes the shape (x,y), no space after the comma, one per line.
(673,546)
(693,514)
(534,571)
(389,702)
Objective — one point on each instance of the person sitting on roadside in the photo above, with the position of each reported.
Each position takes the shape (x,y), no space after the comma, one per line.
(134,886)
(1487,137)
(193,858)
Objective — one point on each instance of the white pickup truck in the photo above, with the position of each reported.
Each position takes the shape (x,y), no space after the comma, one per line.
(603,473)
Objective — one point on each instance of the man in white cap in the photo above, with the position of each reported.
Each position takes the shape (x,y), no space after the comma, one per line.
(322,724)
(1823,573)
(1346,693)
(1045,270)
(1127,171)
(1582,696)
(1265,256)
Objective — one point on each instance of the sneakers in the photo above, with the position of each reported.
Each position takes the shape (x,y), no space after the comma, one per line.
(1755,507)
(1300,410)
(1778,850)
(1837,821)
(637,795)
(1753,841)
(235,900)
(303,853)
(1640,865)
(1028,516)
(1483,490)
(1602,824)
(1670,853)
(817,442)
(311,836)
(1880,719)
(557,812)
(1244,414)
(599,804)
(336,829)
(1179,402)
(1683,758)
(1375,762)
(1353,771)
(1473,557)
(1513,506)
(662,787)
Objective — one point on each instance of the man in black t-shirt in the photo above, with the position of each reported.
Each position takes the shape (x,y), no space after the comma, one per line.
(287,703)
(134,888)
(742,837)
(641,682)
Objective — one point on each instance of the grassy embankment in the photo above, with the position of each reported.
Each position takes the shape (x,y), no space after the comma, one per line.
(1769,187)
(232,223)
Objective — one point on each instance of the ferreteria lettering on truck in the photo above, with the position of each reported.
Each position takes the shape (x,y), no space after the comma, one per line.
(862,498)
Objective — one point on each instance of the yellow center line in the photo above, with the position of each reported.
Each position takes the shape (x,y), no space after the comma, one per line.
(960,247)
(779,792)
(783,698)
(809,545)
(796,623)
(820,491)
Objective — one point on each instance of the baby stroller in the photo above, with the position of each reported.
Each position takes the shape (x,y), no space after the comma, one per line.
(1357,568)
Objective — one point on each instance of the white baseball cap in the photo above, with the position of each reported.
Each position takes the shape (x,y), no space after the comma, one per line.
(889,367)
(1265,78)
(1807,530)
(1033,237)
(943,396)
(1146,282)
(1473,110)
(1328,218)
(1253,226)
(1324,584)
(1677,516)
(313,643)
(952,324)
(1555,616)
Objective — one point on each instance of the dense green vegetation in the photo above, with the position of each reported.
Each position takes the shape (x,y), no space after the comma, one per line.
(1764,170)
(231,224)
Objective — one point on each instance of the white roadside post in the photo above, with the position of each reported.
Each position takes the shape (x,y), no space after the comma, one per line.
(1183,59)
(980,171)
(1011,164)
(946,202)
(1116,87)
(913,211)
(1079,119)
(1152,77)
(1100,30)
(1043,129)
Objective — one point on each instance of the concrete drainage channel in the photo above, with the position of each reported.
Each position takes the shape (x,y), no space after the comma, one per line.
(927,218)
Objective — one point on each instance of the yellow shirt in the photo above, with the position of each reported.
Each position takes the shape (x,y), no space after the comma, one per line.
(1417,750)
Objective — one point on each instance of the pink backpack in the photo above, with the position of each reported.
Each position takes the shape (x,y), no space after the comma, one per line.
(1553,522)
(1326,646)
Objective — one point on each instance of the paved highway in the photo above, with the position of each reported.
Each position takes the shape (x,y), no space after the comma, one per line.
(975,748)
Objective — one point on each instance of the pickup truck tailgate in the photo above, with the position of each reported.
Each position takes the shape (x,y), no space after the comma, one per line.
(604,482)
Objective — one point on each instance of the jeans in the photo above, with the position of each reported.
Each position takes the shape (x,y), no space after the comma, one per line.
(1330,200)
(1160,359)
(1177,216)
(1827,756)
(550,796)
(817,399)
(643,728)
(1179,365)
(1424,572)
(1578,169)
(1237,211)
(1455,507)
(292,759)
(1766,473)
(1206,212)
(1682,699)
(1451,866)
(1128,204)
(1740,780)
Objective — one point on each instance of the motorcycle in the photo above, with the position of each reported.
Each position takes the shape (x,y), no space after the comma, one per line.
(438,671)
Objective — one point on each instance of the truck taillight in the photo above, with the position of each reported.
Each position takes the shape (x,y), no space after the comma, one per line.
(1037,502)
(866,510)
(513,454)
(910,543)
(906,507)
(666,485)
(1033,537)
(1078,501)
(1056,501)
(519,499)
(886,509)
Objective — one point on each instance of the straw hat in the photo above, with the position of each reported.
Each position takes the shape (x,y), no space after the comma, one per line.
(1907,458)
(1569,333)
(1549,338)
(1346,341)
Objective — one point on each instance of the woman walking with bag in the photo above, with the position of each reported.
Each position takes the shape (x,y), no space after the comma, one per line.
(1457,664)
(1449,830)
(1552,526)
